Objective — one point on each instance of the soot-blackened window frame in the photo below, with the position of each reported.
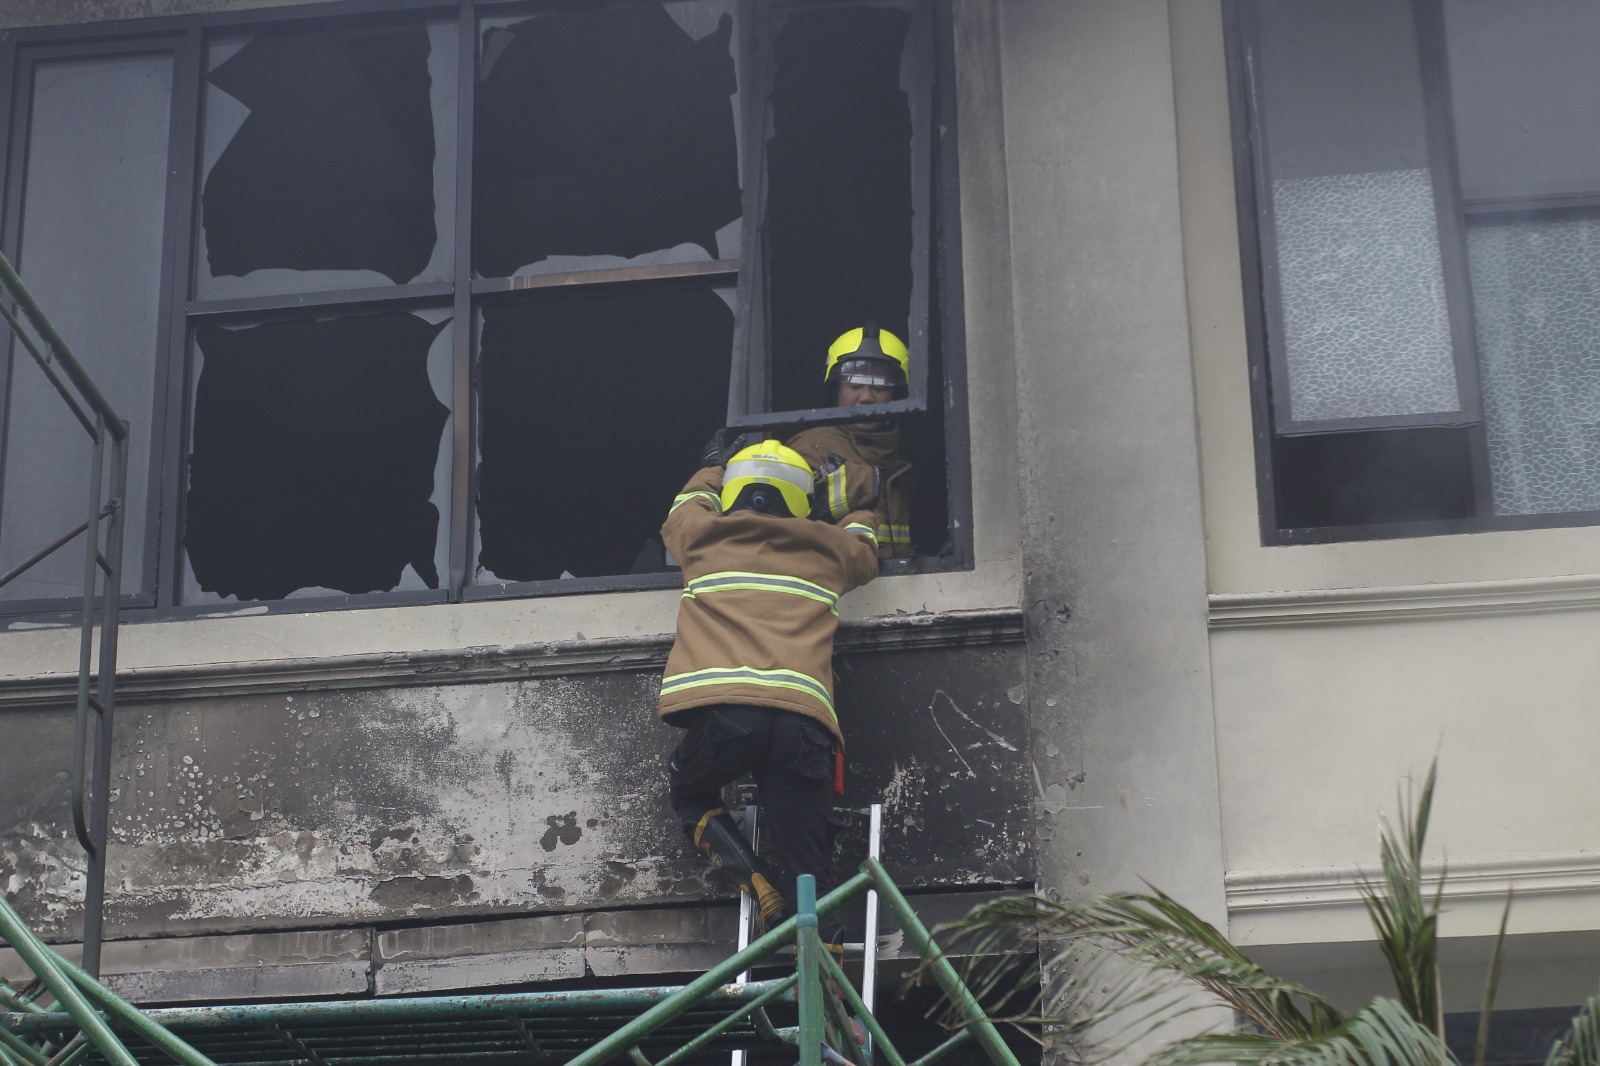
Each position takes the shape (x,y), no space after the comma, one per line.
(935,324)
(1309,470)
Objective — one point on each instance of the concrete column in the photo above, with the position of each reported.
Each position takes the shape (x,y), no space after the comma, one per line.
(1113,542)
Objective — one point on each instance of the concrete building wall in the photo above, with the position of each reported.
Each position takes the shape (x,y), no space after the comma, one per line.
(1115,582)
(1341,669)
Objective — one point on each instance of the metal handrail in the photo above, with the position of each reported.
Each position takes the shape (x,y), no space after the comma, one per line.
(102,555)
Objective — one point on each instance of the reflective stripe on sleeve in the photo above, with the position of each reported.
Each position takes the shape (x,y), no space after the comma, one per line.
(683,498)
(895,534)
(838,494)
(791,680)
(728,580)
(866,531)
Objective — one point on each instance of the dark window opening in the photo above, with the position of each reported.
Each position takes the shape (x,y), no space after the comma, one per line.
(839,210)
(313,459)
(1521,1037)
(333,167)
(606,133)
(1361,479)
(592,413)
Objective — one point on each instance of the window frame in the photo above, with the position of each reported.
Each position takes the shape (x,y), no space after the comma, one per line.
(937,282)
(1269,377)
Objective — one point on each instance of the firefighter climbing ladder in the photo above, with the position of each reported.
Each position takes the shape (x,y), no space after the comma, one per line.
(649,1026)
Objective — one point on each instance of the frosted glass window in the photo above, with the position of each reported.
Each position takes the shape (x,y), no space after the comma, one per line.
(1536,291)
(1366,331)
(1365,328)
(92,226)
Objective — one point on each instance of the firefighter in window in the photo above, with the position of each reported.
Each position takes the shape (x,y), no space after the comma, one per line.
(858,464)
(750,675)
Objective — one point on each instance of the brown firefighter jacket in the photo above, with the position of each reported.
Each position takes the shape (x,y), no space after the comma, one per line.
(759,606)
(874,476)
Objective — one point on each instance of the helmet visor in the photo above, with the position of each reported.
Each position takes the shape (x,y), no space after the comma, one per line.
(771,472)
(870,372)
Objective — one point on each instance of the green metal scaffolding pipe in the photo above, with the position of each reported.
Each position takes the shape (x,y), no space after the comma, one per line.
(620,1041)
(48,967)
(944,973)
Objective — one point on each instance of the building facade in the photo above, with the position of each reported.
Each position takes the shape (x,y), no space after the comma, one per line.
(1251,464)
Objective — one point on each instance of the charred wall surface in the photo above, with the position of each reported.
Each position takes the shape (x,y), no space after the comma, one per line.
(300,807)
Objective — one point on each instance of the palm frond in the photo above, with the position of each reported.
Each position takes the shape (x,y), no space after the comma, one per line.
(1134,957)
(1407,919)
(1382,1033)
(1581,1044)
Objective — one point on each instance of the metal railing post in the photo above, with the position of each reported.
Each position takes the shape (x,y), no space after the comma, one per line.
(103,539)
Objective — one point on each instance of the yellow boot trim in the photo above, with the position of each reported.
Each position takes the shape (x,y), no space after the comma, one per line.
(700,832)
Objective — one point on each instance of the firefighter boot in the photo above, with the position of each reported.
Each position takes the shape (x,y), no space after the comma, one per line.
(717,835)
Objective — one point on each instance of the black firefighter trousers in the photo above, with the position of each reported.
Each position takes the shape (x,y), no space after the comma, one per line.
(791,758)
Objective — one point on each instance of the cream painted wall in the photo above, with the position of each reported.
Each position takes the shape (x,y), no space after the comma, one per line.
(1237,562)
(1481,648)
(248,634)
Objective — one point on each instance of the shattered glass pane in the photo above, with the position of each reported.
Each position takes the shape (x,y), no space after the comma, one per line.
(839,210)
(316,457)
(1536,295)
(321,165)
(592,414)
(91,224)
(607,138)
(1366,330)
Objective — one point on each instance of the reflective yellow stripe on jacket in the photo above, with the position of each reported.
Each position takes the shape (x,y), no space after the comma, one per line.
(838,493)
(866,531)
(683,498)
(897,536)
(728,580)
(792,680)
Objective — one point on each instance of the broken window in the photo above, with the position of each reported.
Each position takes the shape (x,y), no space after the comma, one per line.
(413,359)
(839,215)
(591,413)
(328,159)
(315,462)
(93,209)
(606,138)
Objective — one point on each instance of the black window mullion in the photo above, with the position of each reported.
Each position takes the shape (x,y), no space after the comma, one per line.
(168,463)
(1451,216)
(747,381)
(16,106)
(463,402)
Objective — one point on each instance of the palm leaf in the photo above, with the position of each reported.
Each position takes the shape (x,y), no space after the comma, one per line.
(1581,1045)
(1406,919)
(1129,959)
(1382,1033)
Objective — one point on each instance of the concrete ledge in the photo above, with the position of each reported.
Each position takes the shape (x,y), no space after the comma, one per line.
(478,955)
(1404,602)
(1553,893)
(507,662)
(212,969)
(512,952)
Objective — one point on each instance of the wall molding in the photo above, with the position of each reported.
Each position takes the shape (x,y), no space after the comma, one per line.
(1404,602)
(1532,876)
(566,658)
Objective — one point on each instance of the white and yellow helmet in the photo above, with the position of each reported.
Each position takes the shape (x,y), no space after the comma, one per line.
(769,463)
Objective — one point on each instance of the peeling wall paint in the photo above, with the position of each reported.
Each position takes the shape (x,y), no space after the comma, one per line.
(305,809)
